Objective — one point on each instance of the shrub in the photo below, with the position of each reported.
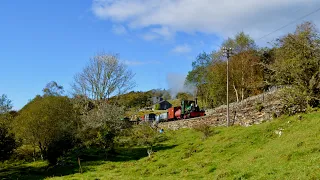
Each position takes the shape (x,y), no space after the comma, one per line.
(157,107)
(101,126)
(294,101)
(26,153)
(259,106)
(274,115)
(145,135)
(190,151)
(205,129)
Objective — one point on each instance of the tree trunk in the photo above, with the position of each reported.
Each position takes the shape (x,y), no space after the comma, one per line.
(34,154)
(149,151)
(236,91)
(79,163)
(242,94)
(42,151)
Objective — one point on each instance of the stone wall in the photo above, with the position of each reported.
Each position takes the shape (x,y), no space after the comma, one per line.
(250,111)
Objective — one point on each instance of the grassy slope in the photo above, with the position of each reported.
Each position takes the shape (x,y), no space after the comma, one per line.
(254,152)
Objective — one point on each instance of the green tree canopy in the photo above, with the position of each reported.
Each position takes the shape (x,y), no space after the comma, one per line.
(297,65)
(184,96)
(46,121)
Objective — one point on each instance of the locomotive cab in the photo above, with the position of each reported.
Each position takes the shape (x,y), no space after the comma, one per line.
(187,109)
(190,109)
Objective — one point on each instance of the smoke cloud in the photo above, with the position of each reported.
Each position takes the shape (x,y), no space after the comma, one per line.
(176,84)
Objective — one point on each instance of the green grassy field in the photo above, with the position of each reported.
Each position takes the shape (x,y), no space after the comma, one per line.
(255,152)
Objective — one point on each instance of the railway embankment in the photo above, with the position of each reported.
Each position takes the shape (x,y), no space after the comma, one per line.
(253,110)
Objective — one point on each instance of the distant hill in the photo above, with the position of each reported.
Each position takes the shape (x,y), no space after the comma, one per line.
(140,99)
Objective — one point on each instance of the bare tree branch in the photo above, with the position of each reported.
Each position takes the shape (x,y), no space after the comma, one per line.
(103,77)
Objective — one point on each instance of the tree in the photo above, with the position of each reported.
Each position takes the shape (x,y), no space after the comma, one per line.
(7,142)
(53,89)
(245,73)
(217,82)
(297,65)
(145,135)
(102,125)
(197,77)
(246,76)
(184,96)
(46,123)
(166,95)
(209,72)
(104,76)
(267,57)
(133,99)
(7,138)
(5,104)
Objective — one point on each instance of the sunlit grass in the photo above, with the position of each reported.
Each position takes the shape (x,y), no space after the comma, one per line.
(255,152)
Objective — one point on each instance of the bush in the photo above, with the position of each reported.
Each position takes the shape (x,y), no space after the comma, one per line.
(294,101)
(157,107)
(26,153)
(205,129)
(259,106)
(190,151)
(100,126)
(145,135)
(274,115)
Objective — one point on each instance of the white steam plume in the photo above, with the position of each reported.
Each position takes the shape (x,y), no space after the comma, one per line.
(176,84)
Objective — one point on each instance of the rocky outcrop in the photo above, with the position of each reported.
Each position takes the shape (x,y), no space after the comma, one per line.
(254,110)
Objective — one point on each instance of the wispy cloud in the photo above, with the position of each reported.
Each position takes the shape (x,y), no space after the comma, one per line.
(119,29)
(163,32)
(150,36)
(139,63)
(158,33)
(185,48)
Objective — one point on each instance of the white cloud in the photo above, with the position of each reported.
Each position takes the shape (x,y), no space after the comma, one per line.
(225,18)
(185,48)
(119,29)
(157,33)
(138,63)
(163,32)
(150,36)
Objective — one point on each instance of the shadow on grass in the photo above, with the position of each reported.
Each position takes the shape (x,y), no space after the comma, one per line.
(24,171)
(89,158)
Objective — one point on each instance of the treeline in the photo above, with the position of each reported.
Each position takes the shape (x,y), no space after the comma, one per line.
(53,125)
(292,62)
(140,99)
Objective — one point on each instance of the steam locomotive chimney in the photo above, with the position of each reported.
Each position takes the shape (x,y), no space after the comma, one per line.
(197,101)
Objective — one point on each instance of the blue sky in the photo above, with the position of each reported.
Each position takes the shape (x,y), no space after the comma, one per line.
(43,41)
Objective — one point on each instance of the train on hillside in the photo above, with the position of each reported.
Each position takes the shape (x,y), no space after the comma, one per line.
(188,109)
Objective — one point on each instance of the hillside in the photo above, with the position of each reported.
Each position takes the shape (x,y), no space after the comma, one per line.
(254,152)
